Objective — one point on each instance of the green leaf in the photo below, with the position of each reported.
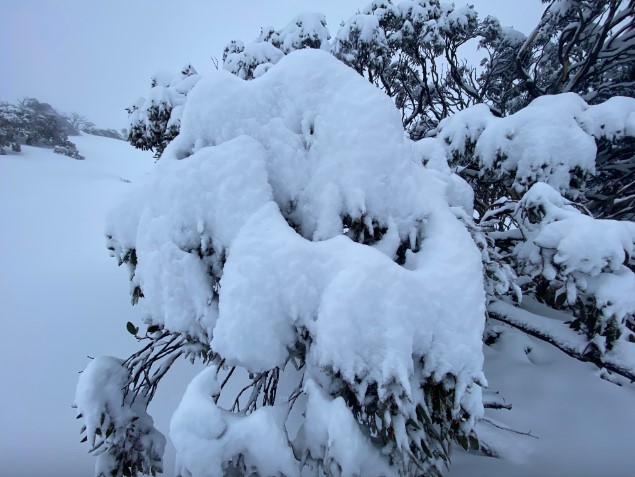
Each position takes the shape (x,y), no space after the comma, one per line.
(132,329)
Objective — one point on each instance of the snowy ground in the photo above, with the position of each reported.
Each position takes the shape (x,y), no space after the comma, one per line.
(63,298)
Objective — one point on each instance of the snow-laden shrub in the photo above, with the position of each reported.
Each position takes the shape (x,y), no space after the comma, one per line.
(251,60)
(293,238)
(574,261)
(115,425)
(553,140)
(154,121)
(68,149)
(12,126)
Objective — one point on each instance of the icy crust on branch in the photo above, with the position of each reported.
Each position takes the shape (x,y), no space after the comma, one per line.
(552,140)
(242,240)
(119,431)
(584,261)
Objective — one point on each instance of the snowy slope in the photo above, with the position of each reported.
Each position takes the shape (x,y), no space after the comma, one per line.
(63,298)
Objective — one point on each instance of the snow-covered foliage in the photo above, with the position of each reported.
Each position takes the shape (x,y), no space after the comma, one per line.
(292,231)
(574,261)
(397,46)
(12,123)
(35,123)
(116,426)
(334,275)
(553,140)
(251,60)
(515,163)
(248,61)
(154,121)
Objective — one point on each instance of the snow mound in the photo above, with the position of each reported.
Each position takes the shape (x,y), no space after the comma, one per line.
(207,437)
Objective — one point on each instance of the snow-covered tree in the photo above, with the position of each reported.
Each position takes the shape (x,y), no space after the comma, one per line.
(43,125)
(520,167)
(36,124)
(12,126)
(583,46)
(154,121)
(399,47)
(293,239)
(248,61)
(335,276)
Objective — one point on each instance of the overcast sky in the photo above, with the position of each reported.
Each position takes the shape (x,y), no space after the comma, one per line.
(96,58)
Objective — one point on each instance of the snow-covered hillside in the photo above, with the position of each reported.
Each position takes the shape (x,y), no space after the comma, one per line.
(62,297)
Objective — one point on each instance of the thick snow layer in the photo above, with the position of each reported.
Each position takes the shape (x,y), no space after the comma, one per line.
(553,140)
(207,437)
(257,191)
(283,137)
(351,298)
(329,425)
(588,256)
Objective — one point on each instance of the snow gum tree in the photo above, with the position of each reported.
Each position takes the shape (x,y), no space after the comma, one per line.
(338,278)
(312,266)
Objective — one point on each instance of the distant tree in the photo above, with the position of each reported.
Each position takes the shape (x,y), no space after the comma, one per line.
(78,121)
(46,127)
(36,124)
(12,127)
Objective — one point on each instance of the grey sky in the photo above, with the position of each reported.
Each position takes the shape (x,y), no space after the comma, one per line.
(97,57)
